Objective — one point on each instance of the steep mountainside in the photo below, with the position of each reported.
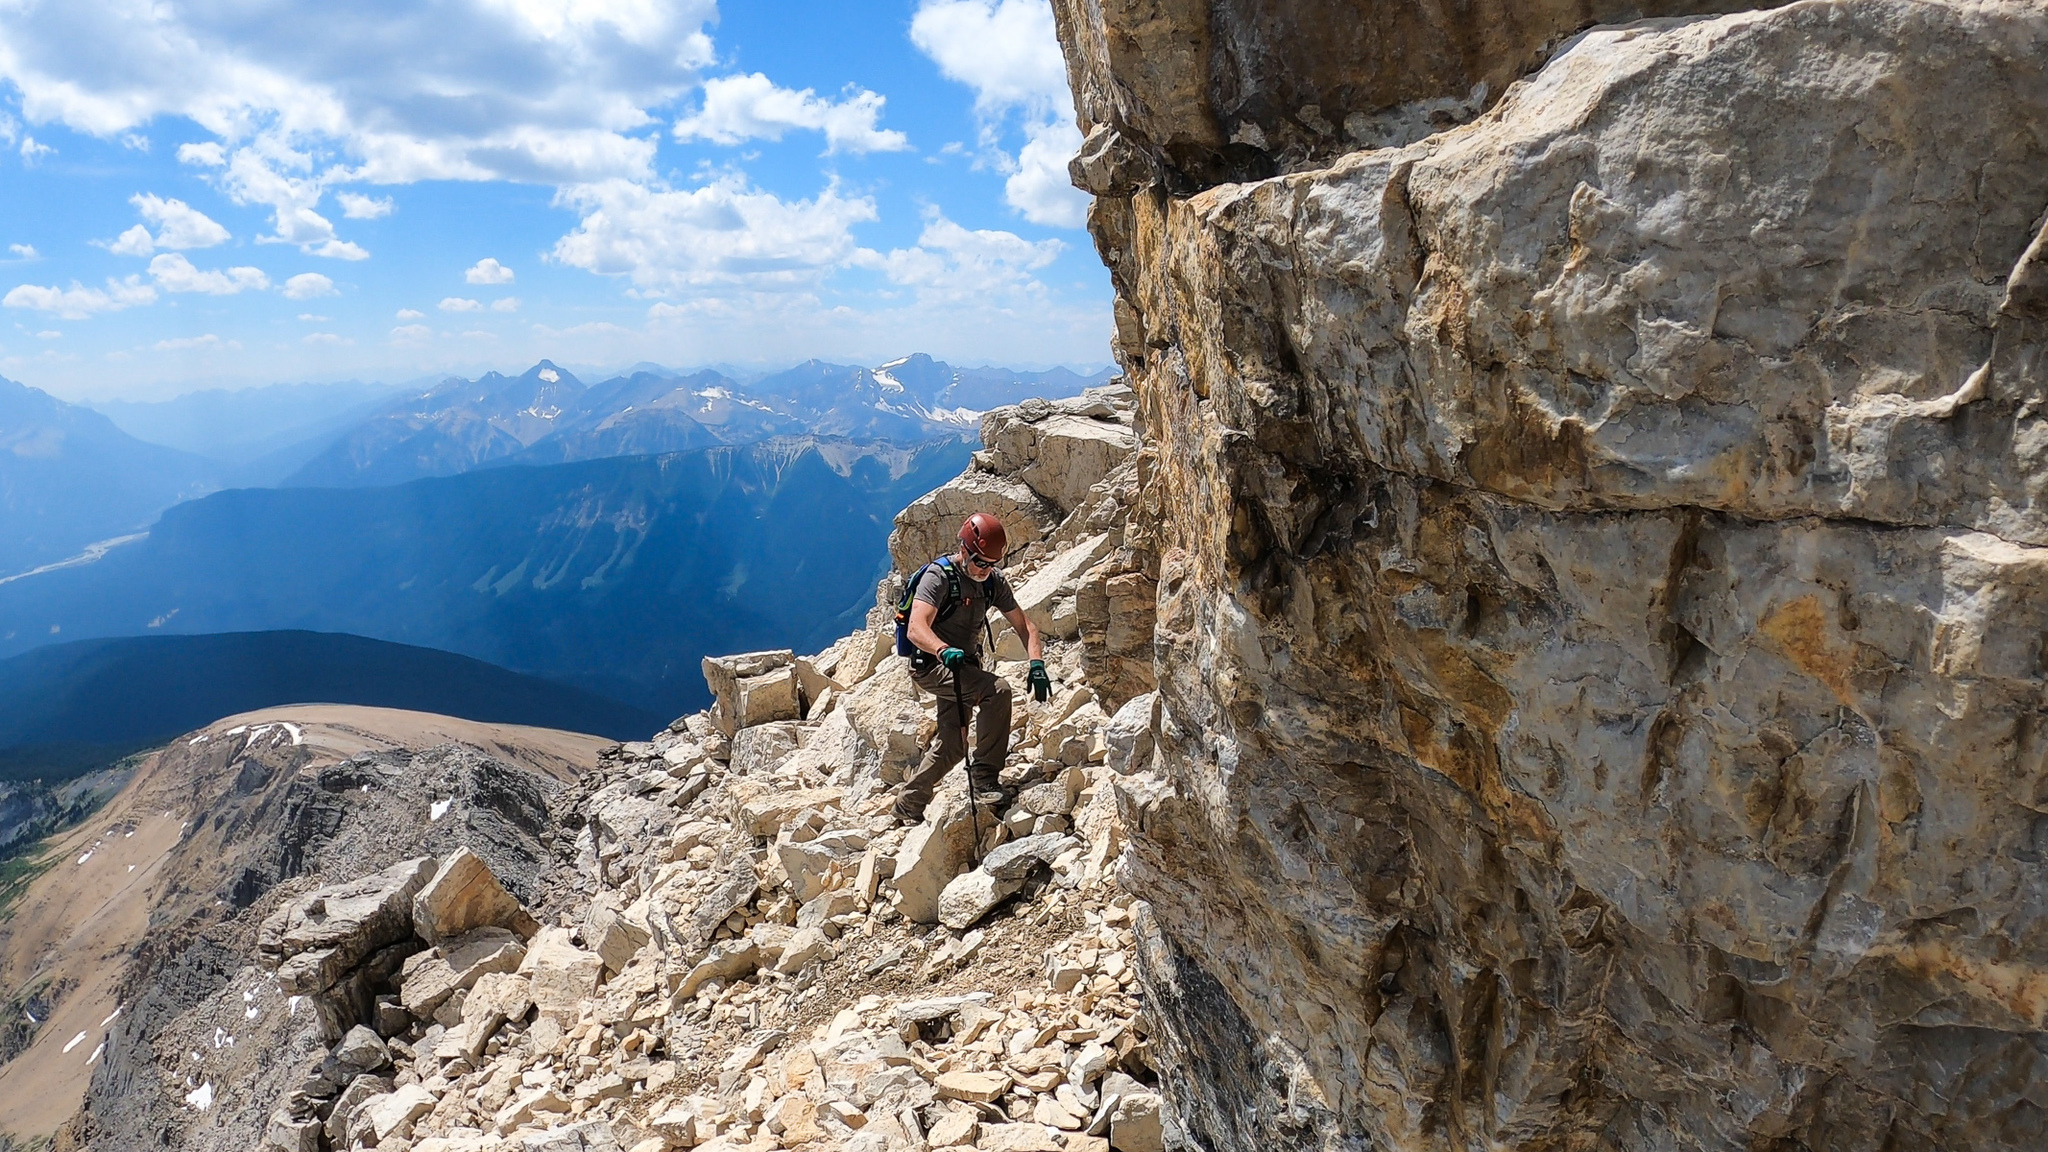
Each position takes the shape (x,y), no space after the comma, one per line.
(611,575)
(73,705)
(69,478)
(141,921)
(548,416)
(1600,567)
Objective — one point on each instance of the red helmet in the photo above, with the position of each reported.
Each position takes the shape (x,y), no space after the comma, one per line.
(983,534)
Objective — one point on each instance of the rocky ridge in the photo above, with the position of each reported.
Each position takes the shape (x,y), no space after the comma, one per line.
(1599,559)
(739,948)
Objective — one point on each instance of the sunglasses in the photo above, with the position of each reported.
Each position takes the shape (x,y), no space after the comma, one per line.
(977,560)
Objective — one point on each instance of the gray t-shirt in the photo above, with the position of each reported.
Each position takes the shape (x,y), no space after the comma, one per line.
(962,627)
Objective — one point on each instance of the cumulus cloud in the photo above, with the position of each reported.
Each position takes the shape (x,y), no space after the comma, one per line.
(23,251)
(174,273)
(1008,52)
(488,271)
(323,338)
(179,226)
(357,206)
(459,304)
(411,332)
(508,304)
(411,314)
(32,151)
(740,108)
(723,233)
(307,285)
(952,264)
(552,90)
(77,302)
(207,155)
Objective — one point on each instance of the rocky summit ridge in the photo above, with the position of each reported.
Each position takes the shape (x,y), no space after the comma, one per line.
(737,946)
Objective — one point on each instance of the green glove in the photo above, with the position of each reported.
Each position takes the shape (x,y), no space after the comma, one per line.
(951,657)
(1041,684)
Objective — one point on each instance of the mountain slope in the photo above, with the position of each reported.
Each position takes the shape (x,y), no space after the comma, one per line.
(91,700)
(614,575)
(244,425)
(452,428)
(69,477)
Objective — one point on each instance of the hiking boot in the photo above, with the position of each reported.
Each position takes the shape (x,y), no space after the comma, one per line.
(997,798)
(906,816)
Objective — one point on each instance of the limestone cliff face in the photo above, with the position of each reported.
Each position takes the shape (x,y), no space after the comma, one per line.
(1602,568)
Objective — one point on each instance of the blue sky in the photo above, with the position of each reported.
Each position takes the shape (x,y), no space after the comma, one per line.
(228,192)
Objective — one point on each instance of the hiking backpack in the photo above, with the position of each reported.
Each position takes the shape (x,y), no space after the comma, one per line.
(952,600)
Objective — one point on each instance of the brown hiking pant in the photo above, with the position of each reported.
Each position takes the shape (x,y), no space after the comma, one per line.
(987,696)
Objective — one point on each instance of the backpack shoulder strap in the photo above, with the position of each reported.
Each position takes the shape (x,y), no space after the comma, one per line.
(952,597)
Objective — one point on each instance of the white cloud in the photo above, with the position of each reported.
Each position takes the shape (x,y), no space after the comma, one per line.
(411,314)
(508,304)
(23,251)
(1007,51)
(740,108)
(408,332)
(10,129)
(49,334)
(310,318)
(32,151)
(187,343)
(76,302)
(338,250)
(307,285)
(459,304)
(356,206)
(488,271)
(952,264)
(323,338)
(542,90)
(722,233)
(1040,187)
(136,241)
(179,225)
(174,273)
(135,141)
(207,155)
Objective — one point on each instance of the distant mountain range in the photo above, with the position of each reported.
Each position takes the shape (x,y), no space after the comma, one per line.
(72,706)
(547,415)
(614,575)
(244,426)
(69,478)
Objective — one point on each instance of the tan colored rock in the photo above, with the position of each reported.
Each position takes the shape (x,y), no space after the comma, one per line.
(932,854)
(614,934)
(973,1087)
(762,807)
(727,960)
(394,1112)
(955,1129)
(561,976)
(971,895)
(930,526)
(1057,452)
(1575,516)
(429,978)
(463,895)
(730,710)
(314,940)
(891,719)
(1018,1138)
(1048,596)
(804,945)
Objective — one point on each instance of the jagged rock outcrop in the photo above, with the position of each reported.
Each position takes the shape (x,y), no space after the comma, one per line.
(742,949)
(1599,569)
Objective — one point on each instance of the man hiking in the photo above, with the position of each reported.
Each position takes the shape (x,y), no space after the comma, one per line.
(948,604)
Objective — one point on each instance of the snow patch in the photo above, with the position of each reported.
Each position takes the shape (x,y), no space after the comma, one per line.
(439,808)
(222,1038)
(84,858)
(549,375)
(291,1007)
(75,1042)
(111,1016)
(94,1058)
(201,1097)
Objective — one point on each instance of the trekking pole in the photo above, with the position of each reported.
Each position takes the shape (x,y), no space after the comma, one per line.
(967,766)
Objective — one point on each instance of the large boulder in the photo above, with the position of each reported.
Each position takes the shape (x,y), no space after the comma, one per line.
(463,896)
(751,688)
(930,526)
(314,941)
